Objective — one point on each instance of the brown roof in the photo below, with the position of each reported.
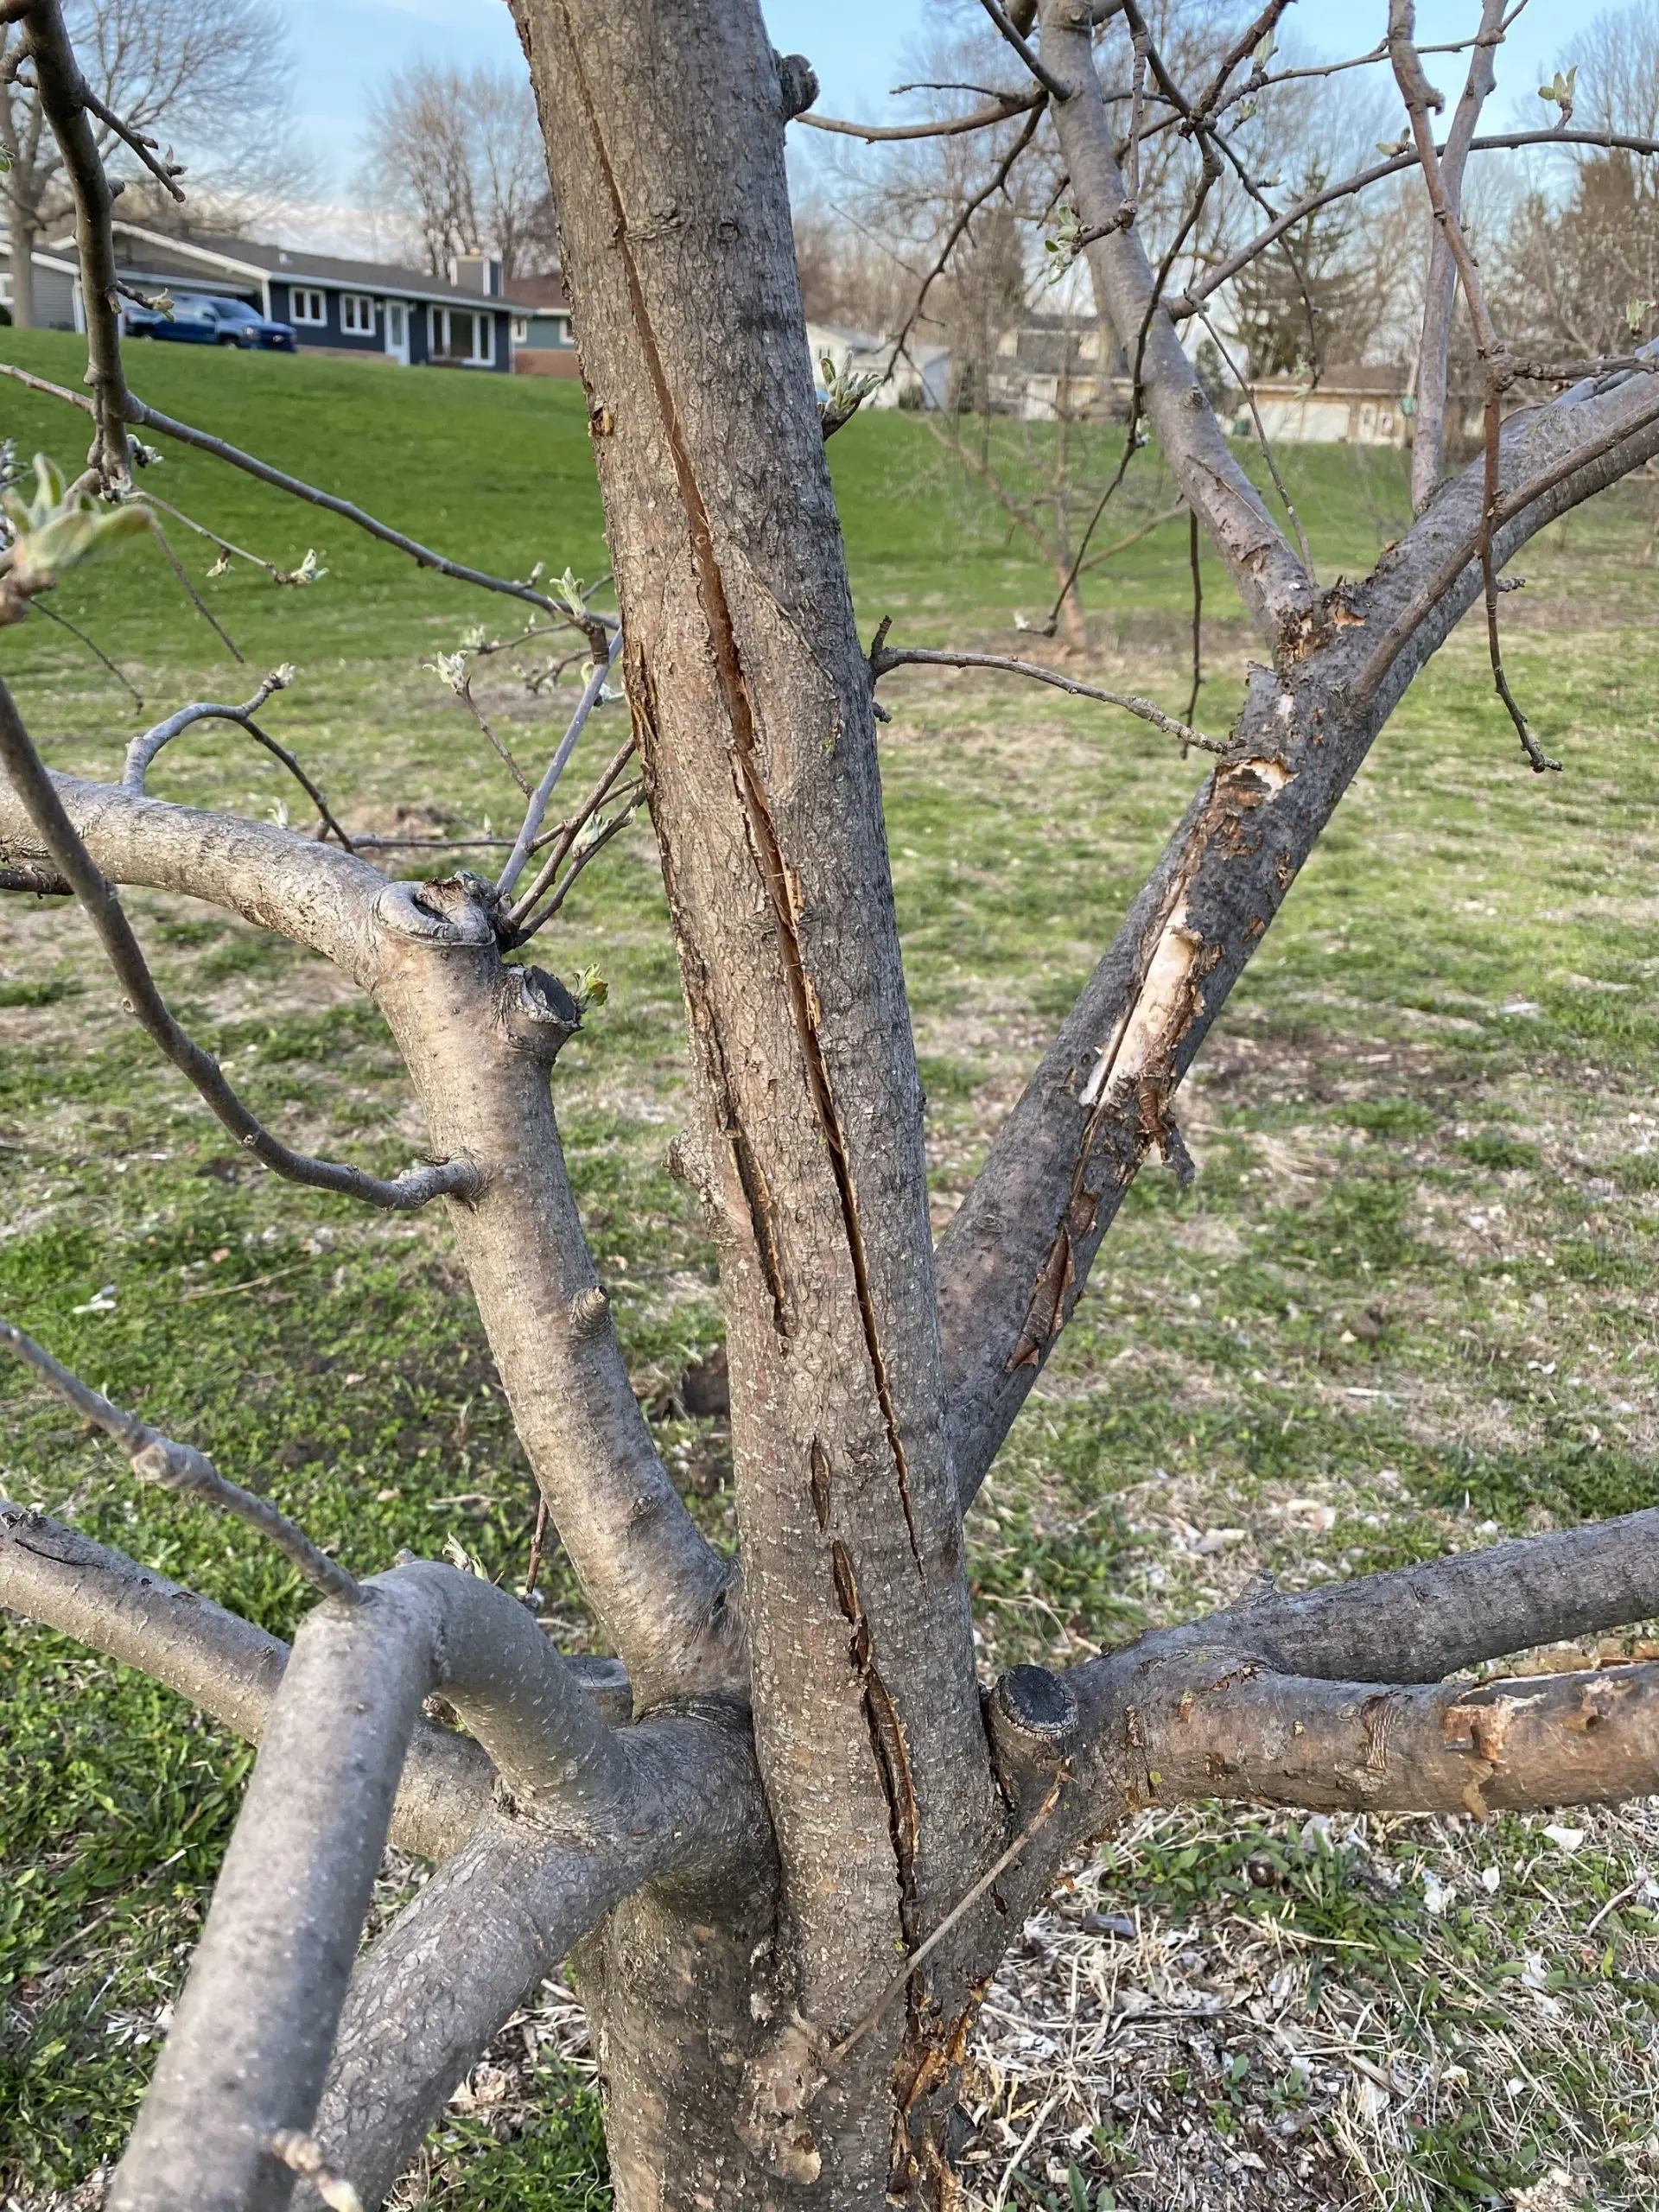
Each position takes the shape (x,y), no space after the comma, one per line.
(544,292)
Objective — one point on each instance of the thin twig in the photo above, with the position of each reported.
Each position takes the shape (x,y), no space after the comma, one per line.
(1419,97)
(634,796)
(150,418)
(1000,176)
(152,499)
(104,910)
(462,688)
(964,1904)
(142,750)
(982,119)
(92,647)
(1122,545)
(566,835)
(1631,1890)
(1539,759)
(884,657)
(1186,304)
(1198,613)
(163,172)
(156,1458)
(1243,384)
(544,790)
(1386,649)
(537,1539)
(195,597)
(1211,171)
(1026,51)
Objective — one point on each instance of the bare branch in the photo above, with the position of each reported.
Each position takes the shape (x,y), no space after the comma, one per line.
(144,749)
(1013,1260)
(156,1458)
(1418,1623)
(1247,389)
(65,102)
(289,1904)
(220,1663)
(1269,577)
(1221,1725)
(102,908)
(1434,343)
(1198,615)
(1006,104)
(513,1903)
(1052,84)
(884,657)
(43,882)
(479,1039)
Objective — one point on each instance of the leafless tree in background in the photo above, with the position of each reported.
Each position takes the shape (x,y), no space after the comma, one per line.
(455,154)
(789,1831)
(210,84)
(1585,251)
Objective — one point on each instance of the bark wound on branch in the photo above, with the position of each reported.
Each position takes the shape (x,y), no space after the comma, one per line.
(1137,1065)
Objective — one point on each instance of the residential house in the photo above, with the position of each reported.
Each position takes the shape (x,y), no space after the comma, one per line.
(1053,366)
(543,344)
(1359,406)
(348,307)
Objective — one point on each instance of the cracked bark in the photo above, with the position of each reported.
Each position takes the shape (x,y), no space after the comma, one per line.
(751,698)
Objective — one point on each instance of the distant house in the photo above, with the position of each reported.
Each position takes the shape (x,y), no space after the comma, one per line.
(543,343)
(1348,406)
(349,308)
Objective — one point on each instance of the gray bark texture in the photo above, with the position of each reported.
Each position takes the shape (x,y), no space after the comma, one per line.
(787,1834)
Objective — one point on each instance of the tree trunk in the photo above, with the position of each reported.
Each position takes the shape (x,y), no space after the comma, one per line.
(752,700)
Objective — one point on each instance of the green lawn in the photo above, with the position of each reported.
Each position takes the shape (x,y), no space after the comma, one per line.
(1407,1303)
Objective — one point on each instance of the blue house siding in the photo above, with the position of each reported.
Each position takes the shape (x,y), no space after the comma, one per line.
(333,333)
(330,332)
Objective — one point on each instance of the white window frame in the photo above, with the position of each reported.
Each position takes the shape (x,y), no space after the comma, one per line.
(483,330)
(302,298)
(353,306)
(520,329)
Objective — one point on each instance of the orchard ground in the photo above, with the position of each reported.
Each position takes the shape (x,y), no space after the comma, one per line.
(1407,1305)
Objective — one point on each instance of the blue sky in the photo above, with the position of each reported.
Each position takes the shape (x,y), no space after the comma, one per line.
(346,47)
